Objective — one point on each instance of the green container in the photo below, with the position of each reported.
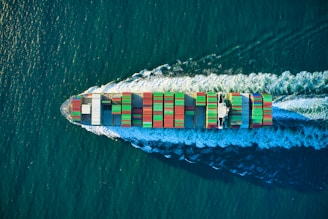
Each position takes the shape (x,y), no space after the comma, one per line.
(179,102)
(267,97)
(179,95)
(75,113)
(105,101)
(147,124)
(126,107)
(201,101)
(235,122)
(236,117)
(126,119)
(212,114)
(137,122)
(158,117)
(168,94)
(211,94)
(116,108)
(201,98)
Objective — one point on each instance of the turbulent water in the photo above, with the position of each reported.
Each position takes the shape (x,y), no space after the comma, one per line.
(53,49)
(300,116)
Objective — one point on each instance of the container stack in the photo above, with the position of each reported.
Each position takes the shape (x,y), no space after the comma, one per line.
(106,103)
(257,110)
(179,114)
(126,109)
(235,114)
(168,110)
(200,99)
(76,108)
(116,105)
(212,110)
(158,110)
(245,110)
(190,110)
(147,110)
(137,116)
(267,109)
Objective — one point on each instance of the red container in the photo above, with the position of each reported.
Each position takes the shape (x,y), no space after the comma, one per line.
(137,110)
(76,108)
(190,108)
(235,94)
(76,104)
(211,126)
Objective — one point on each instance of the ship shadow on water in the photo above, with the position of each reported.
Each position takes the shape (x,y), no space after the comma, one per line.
(299,167)
(303,169)
(290,119)
(199,169)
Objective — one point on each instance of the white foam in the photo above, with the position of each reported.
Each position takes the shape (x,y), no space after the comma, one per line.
(308,108)
(264,138)
(286,84)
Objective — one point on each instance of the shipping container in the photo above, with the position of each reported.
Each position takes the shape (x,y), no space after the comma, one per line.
(137,116)
(235,113)
(190,110)
(147,110)
(200,99)
(179,111)
(256,110)
(173,110)
(116,105)
(126,119)
(267,109)
(76,104)
(211,110)
(168,110)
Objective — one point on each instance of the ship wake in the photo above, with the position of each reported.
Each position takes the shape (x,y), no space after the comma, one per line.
(292,146)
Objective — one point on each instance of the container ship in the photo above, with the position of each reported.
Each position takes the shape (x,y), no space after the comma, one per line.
(199,110)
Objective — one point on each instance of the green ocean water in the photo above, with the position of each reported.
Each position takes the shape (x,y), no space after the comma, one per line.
(51,50)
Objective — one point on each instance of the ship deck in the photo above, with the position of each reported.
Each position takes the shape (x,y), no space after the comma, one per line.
(108,119)
(172,110)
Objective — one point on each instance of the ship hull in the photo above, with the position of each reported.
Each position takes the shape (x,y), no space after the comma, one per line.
(198,110)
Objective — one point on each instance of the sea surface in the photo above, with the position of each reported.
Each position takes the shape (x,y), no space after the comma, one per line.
(51,50)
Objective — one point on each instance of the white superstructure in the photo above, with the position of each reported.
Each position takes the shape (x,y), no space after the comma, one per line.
(96,109)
